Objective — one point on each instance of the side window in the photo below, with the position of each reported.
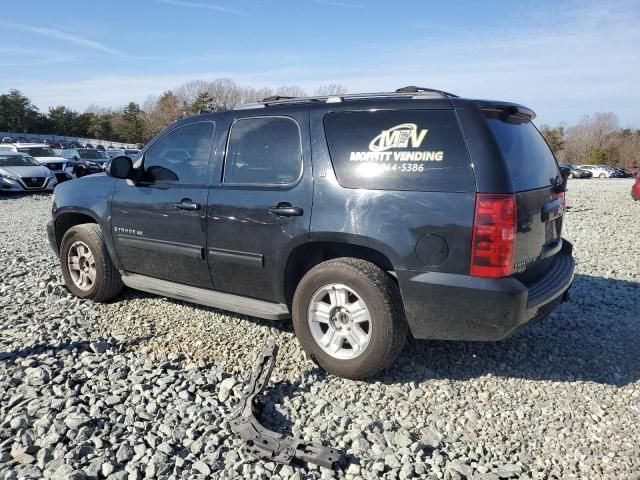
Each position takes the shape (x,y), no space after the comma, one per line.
(421,150)
(263,150)
(181,156)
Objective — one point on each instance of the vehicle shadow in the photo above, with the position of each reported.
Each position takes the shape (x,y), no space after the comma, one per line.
(81,346)
(594,337)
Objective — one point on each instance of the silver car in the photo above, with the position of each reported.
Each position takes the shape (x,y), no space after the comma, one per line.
(22,173)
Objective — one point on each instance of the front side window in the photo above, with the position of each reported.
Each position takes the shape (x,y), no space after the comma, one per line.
(181,156)
(264,151)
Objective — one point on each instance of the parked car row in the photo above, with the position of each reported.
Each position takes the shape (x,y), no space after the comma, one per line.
(599,171)
(59,144)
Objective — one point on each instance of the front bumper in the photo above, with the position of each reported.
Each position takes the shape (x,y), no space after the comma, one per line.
(446,306)
(19,185)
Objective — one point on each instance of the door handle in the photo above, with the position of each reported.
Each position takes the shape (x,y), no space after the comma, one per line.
(187,204)
(285,209)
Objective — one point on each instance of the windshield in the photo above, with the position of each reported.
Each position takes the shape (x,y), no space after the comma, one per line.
(38,151)
(17,161)
(92,155)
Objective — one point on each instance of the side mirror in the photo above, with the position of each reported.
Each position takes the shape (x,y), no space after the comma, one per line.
(120,167)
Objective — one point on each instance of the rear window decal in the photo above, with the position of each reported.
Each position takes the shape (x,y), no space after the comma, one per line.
(402,136)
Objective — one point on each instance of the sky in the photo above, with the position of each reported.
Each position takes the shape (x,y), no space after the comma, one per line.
(563,59)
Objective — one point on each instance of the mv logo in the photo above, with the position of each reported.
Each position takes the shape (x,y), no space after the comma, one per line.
(398,137)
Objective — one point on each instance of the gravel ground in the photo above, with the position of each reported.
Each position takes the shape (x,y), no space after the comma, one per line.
(140,387)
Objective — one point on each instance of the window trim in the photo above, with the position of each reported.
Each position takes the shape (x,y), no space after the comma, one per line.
(155,144)
(262,185)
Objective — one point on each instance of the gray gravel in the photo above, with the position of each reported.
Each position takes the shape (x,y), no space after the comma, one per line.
(140,388)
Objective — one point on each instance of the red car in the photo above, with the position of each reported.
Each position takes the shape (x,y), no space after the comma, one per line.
(635,189)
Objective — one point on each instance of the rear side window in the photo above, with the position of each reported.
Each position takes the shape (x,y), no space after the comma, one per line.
(263,151)
(399,150)
(529,159)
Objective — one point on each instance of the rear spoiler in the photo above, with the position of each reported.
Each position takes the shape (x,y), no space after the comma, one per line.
(513,110)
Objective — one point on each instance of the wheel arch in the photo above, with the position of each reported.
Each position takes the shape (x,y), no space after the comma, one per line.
(67,218)
(307,255)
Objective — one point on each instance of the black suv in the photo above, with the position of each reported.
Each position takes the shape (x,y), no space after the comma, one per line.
(361,217)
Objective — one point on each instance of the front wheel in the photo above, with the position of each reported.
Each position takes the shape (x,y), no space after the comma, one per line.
(86,266)
(571,175)
(348,316)
(602,175)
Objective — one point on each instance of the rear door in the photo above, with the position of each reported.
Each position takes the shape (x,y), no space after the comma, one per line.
(262,209)
(535,178)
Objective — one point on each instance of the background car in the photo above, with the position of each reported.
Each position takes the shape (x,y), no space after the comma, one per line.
(572,171)
(600,171)
(88,160)
(20,140)
(115,152)
(46,156)
(100,147)
(635,188)
(20,172)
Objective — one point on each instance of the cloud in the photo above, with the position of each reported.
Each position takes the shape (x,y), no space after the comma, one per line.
(207,6)
(339,4)
(65,37)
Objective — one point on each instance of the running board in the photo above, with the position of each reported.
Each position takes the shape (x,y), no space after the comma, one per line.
(210,298)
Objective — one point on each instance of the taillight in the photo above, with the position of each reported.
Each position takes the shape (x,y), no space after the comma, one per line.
(494,235)
(563,201)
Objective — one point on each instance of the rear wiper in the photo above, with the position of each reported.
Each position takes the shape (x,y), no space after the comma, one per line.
(559,183)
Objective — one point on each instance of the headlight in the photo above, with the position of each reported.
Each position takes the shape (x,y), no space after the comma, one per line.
(50,174)
(4,174)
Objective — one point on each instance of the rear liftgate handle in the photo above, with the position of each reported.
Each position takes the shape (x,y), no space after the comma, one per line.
(285,209)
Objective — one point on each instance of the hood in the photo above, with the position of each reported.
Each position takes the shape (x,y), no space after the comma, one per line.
(50,159)
(35,171)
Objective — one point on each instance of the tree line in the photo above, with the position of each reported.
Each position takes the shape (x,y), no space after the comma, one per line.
(134,123)
(596,139)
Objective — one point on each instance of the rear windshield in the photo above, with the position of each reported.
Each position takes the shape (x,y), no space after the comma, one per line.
(529,159)
(399,150)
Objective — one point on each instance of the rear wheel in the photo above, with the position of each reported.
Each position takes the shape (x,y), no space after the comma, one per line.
(348,316)
(602,175)
(86,266)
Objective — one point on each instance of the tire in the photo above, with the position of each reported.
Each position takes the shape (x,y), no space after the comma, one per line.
(107,282)
(571,175)
(602,175)
(365,284)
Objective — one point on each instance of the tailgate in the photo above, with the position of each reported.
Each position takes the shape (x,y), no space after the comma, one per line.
(539,191)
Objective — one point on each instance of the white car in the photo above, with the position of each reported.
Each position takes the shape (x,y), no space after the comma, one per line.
(598,171)
(45,155)
(22,173)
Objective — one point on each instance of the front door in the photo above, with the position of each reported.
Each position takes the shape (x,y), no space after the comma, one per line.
(158,222)
(262,208)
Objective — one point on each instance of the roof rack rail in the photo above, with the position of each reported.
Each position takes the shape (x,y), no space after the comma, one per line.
(405,92)
(275,98)
(414,89)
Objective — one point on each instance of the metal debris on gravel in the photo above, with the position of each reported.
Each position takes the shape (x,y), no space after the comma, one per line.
(143,387)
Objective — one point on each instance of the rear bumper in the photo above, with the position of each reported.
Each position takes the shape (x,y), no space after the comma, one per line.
(459,307)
